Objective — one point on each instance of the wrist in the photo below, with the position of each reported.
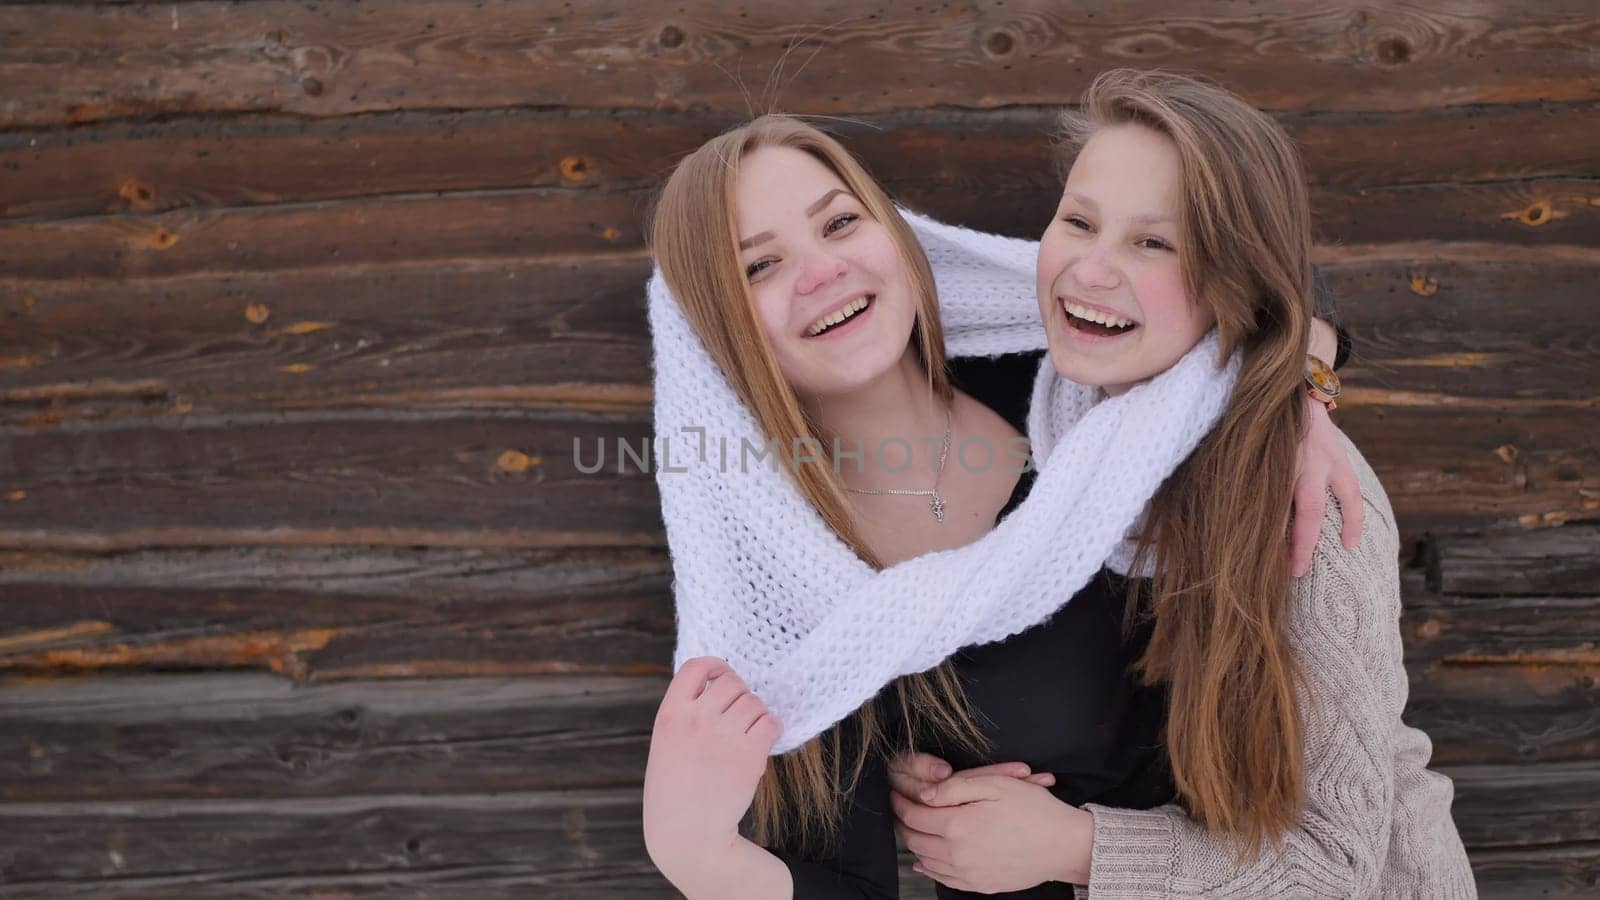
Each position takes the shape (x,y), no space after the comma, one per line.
(1076,849)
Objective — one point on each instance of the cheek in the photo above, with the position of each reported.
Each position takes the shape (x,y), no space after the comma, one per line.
(772,313)
(1165,301)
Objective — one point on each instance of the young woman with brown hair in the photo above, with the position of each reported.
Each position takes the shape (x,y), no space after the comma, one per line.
(1186,209)
(807,235)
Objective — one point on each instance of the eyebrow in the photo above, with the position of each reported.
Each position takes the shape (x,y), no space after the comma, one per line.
(811,210)
(1142,219)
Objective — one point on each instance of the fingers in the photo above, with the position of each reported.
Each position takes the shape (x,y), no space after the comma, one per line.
(906,785)
(687,683)
(921,766)
(1042,779)
(915,816)
(925,846)
(943,874)
(960,789)
(745,711)
(1347,490)
(1310,503)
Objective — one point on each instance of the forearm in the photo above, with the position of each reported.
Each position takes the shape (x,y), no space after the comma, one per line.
(741,871)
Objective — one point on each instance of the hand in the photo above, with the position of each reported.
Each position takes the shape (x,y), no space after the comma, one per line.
(1321,465)
(708,752)
(994,833)
(912,773)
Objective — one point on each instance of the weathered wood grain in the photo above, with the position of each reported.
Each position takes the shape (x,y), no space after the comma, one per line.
(565,837)
(320,613)
(544,222)
(396,478)
(1556,872)
(465,334)
(247,735)
(1562,561)
(69,64)
(592,832)
(516,224)
(999,155)
(1529,805)
(1506,713)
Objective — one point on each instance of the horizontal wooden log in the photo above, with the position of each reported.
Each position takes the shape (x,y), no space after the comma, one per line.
(594,832)
(1506,713)
(322,613)
(1531,805)
(466,334)
(248,735)
(544,222)
(78,64)
(1002,156)
(564,837)
(492,882)
(1555,872)
(1558,561)
(515,224)
(393,478)
(1434,324)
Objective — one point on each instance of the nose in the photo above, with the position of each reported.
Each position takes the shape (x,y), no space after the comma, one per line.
(819,269)
(1094,271)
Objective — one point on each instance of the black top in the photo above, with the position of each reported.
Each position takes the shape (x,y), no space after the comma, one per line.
(1059,697)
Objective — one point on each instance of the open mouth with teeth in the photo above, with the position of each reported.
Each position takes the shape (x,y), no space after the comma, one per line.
(1095,322)
(840,316)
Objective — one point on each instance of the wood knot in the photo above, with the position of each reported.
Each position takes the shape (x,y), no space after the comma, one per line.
(163,239)
(256,312)
(575,169)
(1394,51)
(999,43)
(1429,629)
(1535,215)
(15,496)
(312,87)
(611,234)
(1423,284)
(135,193)
(670,37)
(516,461)
(1507,452)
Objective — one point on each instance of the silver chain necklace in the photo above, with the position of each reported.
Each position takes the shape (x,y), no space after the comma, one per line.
(936,503)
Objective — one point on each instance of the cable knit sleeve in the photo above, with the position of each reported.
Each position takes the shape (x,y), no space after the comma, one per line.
(1377,821)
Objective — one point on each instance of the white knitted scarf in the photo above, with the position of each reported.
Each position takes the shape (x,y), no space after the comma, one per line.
(760,579)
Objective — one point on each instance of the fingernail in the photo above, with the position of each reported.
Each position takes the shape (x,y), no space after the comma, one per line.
(941,771)
(927,795)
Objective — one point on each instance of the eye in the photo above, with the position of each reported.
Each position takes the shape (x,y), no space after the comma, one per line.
(1077,222)
(838,222)
(757,267)
(1154,243)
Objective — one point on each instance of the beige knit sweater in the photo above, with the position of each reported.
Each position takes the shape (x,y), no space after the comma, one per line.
(1377,822)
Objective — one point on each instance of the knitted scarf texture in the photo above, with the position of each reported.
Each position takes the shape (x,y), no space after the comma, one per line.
(761,581)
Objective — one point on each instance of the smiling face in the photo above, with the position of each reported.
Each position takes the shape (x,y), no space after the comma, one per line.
(830,288)
(1111,288)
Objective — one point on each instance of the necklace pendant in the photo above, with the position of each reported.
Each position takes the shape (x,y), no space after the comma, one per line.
(937,505)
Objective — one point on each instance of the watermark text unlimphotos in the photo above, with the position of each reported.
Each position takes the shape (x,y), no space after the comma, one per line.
(892,454)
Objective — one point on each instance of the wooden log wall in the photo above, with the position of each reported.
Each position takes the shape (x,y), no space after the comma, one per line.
(303,304)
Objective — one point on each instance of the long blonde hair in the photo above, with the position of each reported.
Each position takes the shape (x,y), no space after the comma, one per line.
(1216,528)
(694,237)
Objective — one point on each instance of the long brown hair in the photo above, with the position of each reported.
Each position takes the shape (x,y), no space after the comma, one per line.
(693,236)
(1215,530)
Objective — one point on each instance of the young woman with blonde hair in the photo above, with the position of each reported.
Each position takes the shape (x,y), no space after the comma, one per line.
(779,196)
